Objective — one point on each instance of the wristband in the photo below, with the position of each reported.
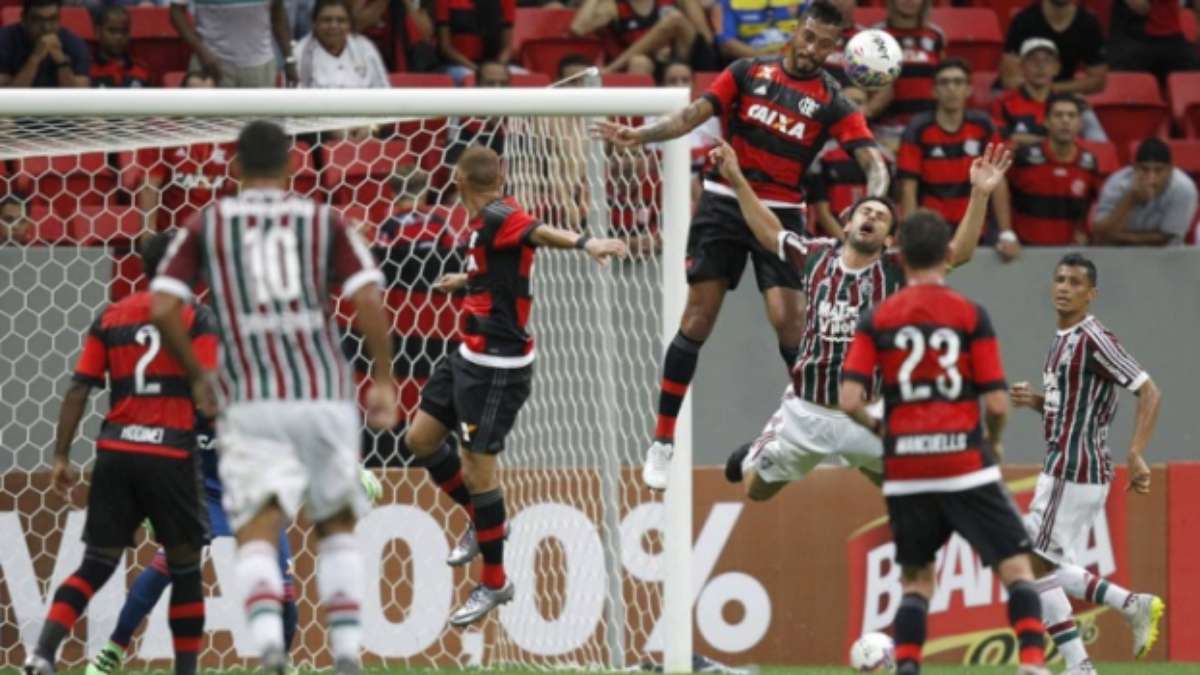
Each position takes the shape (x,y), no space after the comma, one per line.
(581,242)
(1008,236)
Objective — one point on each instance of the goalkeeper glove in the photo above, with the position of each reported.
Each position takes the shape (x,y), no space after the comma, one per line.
(370,484)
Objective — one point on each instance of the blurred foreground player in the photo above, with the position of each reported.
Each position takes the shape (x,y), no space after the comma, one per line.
(145,466)
(938,355)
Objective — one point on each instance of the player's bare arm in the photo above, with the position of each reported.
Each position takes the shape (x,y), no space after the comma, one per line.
(371,321)
(74,404)
(601,250)
(870,160)
(451,283)
(765,225)
(674,125)
(1023,396)
(1145,419)
(987,174)
(852,399)
(995,416)
(166,313)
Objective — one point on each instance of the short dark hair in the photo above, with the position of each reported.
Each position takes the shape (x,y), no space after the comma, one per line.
(1060,97)
(262,149)
(34,4)
(572,59)
(322,4)
(952,62)
(924,238)
(153,249)
(826,12)
(1079,260)
(107,11)
(1152,149)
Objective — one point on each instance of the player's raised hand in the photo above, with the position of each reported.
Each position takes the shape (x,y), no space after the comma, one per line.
(63,477)
(602,250)
(619,135)
(449,283)
(1139,474)
(726,162)
(988,169)
(381,404)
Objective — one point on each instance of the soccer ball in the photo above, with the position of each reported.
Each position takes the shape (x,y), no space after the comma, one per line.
(873,58)
(873,653)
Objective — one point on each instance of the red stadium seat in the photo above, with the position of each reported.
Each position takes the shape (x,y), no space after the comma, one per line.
(542,55)
(972,33)
(75,19)
(1130,108)
(66,182)
(869,16)
(542,37)
(626,80)
(105,225)
(153,39)
(1185,155)
(982,92)
(49,228)
(173,79)
(1106,156)
(701,81)
(535,23)
(401,80)
(1188,19)
(516,80)
(1184,90)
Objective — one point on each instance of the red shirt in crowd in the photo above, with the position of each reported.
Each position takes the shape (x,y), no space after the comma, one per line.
(940,160)
(473,23)
(123,72)
(1051,198)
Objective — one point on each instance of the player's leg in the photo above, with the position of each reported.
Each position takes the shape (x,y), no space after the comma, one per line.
(428,436)
(918,530)
(147,588)
(291,613)
(911,622)
(339,581)
(1024,612)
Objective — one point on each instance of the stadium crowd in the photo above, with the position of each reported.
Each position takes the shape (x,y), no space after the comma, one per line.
(1083,91)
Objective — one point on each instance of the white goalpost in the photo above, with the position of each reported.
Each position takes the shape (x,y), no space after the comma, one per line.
(602,566)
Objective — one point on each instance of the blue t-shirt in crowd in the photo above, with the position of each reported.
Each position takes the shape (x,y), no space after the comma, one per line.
(16,48)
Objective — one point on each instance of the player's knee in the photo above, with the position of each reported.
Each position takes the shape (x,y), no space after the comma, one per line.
(917,580)
(758,490)
(1014,569)
(480,472)
(697,322)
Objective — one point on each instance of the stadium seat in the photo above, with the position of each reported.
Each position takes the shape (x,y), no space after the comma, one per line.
(173,79)
(701,81)
(49,228)
(1188,19)
(1130,108)
(1184,90)
(542,37)
(75,19)
(516,80)
(66,182)
(535,23)
(401,80)
(626,80)
(869,16)
(1005,10)
(542,55)
(972,33)
(153,39)
(1106,156)
(982,92)
(104,225)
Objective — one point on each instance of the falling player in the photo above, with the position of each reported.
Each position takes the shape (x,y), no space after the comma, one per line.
(1083,369)
(938,355)
(779,112)
(289,430)
(479,389)
(841,281)
(145,466)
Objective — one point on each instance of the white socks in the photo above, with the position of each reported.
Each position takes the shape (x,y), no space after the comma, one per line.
(339,578)
(1082,584)
(262,594)
(1060,623)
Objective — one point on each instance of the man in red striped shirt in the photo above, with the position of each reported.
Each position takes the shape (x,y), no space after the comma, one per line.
(1020,113)
(289,428)
(146,466)
(778,113)
(938,356)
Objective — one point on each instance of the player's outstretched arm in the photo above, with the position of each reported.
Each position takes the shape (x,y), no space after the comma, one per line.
(870,160)
(601,250)
(674,125)
(74,404)
(1145,419)
(371,320)
(765,225)
(987,173)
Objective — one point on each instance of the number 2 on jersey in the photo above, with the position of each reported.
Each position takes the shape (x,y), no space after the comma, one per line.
(943,340)
(146,336)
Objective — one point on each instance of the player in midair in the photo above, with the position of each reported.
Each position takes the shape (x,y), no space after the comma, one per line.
(1083,369)
(778,113)
(479,389)
(146,465)
(841,282)
(288,431)
(937,356)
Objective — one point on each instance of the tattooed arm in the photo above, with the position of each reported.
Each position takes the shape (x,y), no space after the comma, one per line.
(674,125)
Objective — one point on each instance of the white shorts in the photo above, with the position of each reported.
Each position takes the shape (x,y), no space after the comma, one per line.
(297,452)
(1061,514)
(801,435)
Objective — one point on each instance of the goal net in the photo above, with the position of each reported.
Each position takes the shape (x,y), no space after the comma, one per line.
(589,546)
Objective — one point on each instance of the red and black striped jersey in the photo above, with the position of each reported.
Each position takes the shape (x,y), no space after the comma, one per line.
(836,297)
(940,160)
(190,178)
(777,123)
(1083,368)
(629,26)
(475,25)
(119,73)
(496,309)
(150,407)
(912,92)
(937,354)
(838,179)
(1051,198)
(1016,112)
(271,260)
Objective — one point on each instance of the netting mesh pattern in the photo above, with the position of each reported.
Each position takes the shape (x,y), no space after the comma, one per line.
(585,546)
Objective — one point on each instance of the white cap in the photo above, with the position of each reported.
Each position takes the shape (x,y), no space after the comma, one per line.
(1035,43)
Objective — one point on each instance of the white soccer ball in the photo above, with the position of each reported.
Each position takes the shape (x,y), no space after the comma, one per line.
(873,653)
(873,58)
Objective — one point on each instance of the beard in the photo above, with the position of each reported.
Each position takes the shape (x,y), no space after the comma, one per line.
(864,247)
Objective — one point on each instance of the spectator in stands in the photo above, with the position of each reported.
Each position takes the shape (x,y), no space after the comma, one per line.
(1054,182)
(1151,203)
(413,32)
(1019,113)
(573,66)
(835,64)
(1147,35)
(15,227)
(412,218)
(835,181)
(924,45)
(647,31)
(38,52)
(473,31)
(1077,35)
(334,57)
(936,152)
(113,65)
(231,41)
(748,28)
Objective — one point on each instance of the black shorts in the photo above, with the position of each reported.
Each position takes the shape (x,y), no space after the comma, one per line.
(478,402)
(719,241)
(128,488)
(985,516)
